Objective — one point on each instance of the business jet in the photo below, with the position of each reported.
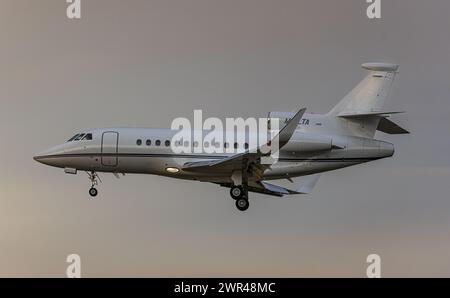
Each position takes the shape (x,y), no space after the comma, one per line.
(308,145)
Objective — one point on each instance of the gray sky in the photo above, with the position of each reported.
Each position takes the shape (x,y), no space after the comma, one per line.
(143,63)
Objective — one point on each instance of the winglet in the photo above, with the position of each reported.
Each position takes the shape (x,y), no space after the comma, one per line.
(288,130)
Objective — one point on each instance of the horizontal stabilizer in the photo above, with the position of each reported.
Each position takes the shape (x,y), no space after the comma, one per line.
(366,114)
(384,67)
(387,126)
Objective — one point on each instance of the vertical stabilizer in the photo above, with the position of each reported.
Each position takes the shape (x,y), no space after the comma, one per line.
(368,97)
(371,93)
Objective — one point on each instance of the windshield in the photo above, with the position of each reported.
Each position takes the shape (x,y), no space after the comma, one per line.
(81,137)
(72,138)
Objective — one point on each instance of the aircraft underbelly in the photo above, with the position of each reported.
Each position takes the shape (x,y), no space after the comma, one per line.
(287,166)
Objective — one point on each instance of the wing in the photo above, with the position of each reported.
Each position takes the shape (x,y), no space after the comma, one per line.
(247,159)
(231,163)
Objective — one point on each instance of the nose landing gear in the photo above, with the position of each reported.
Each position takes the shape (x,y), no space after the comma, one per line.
(94,178)
(93,192)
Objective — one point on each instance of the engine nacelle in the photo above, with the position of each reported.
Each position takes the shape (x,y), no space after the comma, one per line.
(301,141)
(304,142)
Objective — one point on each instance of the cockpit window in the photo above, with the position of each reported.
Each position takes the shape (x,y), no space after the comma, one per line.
(87,137)
(73,138)
(79,137)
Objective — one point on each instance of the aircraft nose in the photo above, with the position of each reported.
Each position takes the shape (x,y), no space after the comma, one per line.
(45,157)
(42,157)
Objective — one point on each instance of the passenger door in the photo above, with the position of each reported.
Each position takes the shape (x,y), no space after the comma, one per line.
(110,142)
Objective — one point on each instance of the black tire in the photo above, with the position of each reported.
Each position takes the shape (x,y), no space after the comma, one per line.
(236,192)
(93,192)
(242,204)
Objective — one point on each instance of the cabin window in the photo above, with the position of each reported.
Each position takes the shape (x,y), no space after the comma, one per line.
(195,144)
(148,142)
(217,145)
(139,142)
(236,145)
(158,143)
(225,145)
(87,137)
(186,143)
(167,143)
(206,144)
(246,145)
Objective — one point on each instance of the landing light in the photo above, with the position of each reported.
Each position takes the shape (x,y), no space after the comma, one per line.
(172,170)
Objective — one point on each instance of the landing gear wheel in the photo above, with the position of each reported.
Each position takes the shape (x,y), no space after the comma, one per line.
(93,192)
(94,181)
(242,204)
(236,192)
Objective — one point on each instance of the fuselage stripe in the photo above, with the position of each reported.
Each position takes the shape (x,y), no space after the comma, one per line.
(202,157)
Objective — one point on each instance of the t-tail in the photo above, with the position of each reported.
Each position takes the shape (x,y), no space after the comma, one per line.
(361,110)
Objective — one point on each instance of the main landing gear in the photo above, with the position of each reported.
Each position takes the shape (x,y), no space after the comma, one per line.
(240,195)
(94,178)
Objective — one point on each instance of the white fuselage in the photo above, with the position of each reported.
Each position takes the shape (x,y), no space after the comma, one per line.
(312,149)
